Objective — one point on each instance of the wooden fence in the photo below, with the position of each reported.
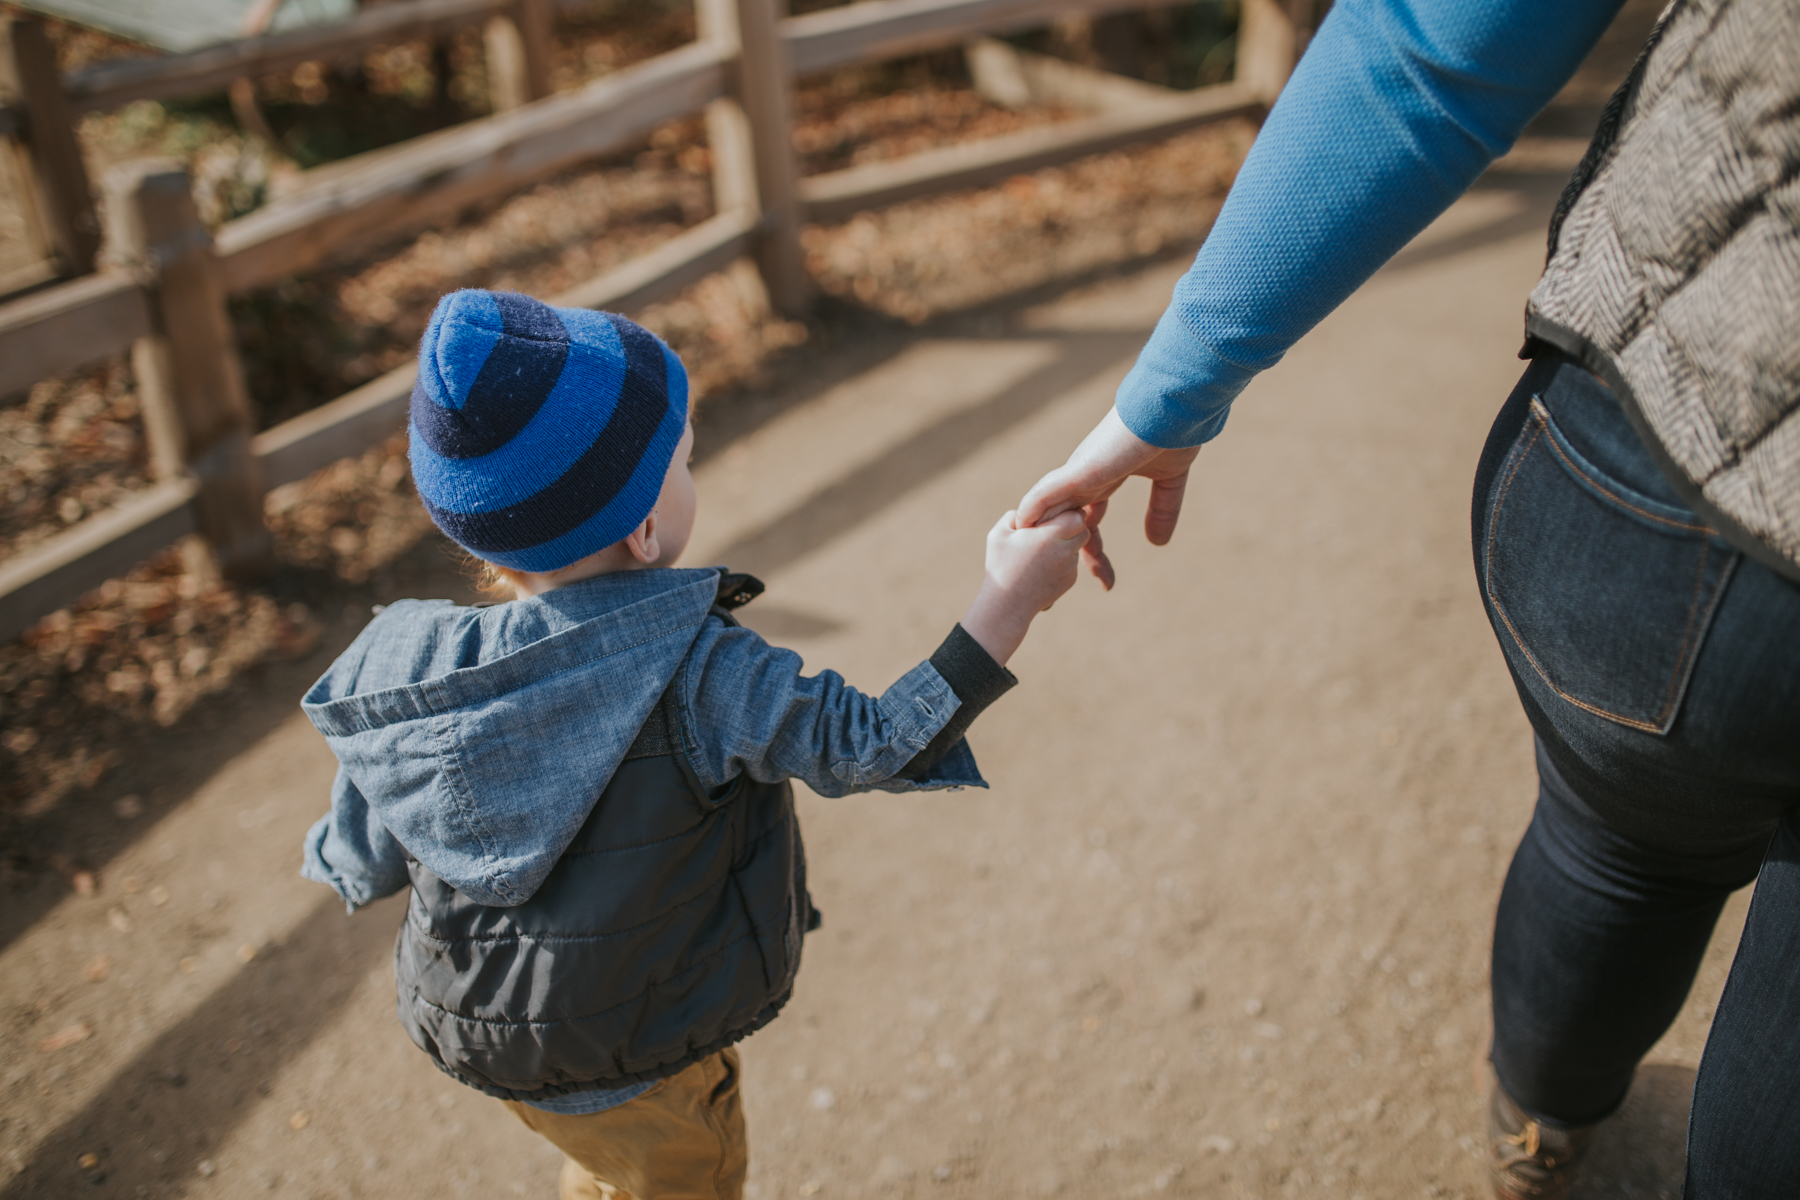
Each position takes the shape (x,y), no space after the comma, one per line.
(163,288)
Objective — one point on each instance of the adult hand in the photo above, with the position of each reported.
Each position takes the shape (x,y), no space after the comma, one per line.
(1106,458)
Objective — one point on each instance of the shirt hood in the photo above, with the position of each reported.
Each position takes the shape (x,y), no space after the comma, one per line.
(481,737)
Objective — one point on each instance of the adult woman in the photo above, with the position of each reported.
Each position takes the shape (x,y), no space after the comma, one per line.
(1636,515)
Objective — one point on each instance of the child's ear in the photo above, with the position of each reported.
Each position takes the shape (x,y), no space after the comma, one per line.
(642,542)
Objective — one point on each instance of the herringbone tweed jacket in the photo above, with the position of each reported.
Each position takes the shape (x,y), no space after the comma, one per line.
(1674,268)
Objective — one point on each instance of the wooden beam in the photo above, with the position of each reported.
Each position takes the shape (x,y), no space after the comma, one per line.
(1015,78)
(28,278)
(110,84)
(197,415)
(874,29)
(1268,46)
(67,326)
(362,418)
(348,425)
(28,81)
(678,263)
(840,194)
(431,178)
(518,54)
(68,566)
(765,86)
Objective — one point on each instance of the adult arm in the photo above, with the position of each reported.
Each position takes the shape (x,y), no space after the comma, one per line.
(1395,109)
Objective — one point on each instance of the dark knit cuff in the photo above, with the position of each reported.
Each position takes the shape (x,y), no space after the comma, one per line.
(976,679)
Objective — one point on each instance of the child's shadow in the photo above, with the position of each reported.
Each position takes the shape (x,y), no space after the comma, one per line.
(1642,1152)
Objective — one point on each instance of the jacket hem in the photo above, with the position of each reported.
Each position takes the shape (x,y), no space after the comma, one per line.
(663,1071)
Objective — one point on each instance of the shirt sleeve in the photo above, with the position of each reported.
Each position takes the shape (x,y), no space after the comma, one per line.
(351,851)
(977,680)
(1394,110)
(751,711)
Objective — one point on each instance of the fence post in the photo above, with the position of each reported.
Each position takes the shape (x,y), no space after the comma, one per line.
(197,414)
(30,85)
(518,54)
(752,144)
(1268,46)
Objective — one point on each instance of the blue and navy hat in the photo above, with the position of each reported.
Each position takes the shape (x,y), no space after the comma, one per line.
(541,435)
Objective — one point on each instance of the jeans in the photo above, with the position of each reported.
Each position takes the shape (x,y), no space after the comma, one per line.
(1660,669)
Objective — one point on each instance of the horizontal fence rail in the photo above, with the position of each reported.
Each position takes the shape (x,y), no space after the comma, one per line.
(877,29)
(69,326)
(170,311)
(405,186)
(70,565)
(840,194)
(110,84)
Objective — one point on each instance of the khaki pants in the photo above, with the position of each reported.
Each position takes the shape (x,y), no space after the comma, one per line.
(681,1140)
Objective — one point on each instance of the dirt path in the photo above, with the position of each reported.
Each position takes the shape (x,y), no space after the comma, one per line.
(1218,929)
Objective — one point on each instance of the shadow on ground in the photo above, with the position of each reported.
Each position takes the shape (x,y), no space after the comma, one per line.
(167,766)
(1642,1152)
(166,1111)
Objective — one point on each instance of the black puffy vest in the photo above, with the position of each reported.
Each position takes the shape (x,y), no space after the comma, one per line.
(670,928)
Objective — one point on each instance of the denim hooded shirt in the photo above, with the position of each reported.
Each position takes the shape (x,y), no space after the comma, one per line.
(478,739)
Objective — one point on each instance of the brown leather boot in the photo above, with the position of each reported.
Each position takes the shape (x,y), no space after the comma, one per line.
(1530,1161)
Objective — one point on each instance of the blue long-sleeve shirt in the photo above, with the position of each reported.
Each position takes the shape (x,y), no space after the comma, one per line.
(1395,109)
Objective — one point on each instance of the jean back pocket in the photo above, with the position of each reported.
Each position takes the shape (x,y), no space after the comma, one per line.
(1605,593)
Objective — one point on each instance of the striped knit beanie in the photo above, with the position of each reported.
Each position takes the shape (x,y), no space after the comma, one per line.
(540,435)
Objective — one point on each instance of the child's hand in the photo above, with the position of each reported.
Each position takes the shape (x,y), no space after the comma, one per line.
(1037,565)
(1027,570)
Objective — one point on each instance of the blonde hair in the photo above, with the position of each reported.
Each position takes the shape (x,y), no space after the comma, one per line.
(491,579)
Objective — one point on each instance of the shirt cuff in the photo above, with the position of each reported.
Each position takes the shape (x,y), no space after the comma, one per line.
(313,866)
(1179,392)
(976,679)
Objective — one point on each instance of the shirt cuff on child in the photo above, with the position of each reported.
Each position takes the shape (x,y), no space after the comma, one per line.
(978,681)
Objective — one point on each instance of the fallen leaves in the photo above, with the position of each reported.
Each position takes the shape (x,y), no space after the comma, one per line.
(78,876)
(63,1038)
(299,1121)
(98,968)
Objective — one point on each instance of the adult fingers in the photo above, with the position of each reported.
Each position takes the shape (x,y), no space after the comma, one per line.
(1068,524)
(1057,492)
(1093,554)
(1164,508)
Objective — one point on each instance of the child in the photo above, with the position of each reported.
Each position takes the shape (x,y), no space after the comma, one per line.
(587,787)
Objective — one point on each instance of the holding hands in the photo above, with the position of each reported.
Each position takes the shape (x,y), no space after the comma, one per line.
(1027,570)
(1106,458)
(1033,554)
